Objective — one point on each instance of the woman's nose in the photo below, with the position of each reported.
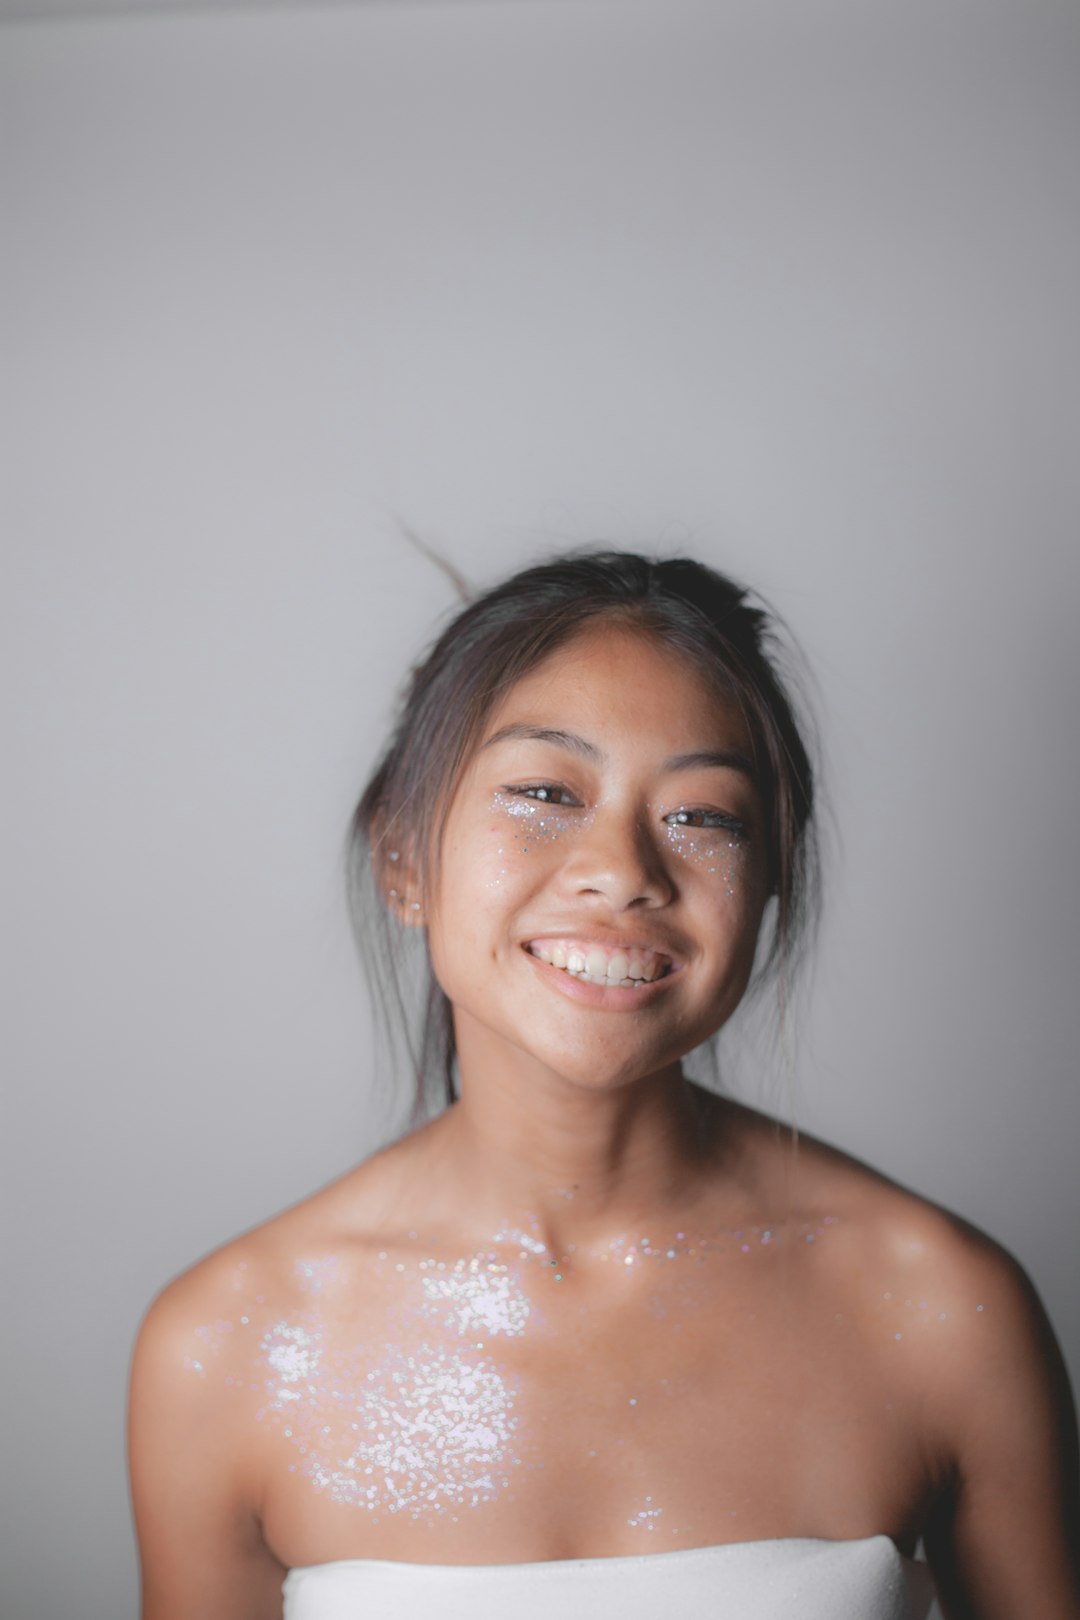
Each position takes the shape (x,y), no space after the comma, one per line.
(619,858)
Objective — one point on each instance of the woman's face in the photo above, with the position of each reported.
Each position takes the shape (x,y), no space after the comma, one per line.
(603,869)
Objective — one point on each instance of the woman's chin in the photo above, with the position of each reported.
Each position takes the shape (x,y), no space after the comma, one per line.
(584,1073)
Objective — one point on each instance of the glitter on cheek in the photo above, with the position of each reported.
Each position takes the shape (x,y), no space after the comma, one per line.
(714,850)
(501,875)
(533,822)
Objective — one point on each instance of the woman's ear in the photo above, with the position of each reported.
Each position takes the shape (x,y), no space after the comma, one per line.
(398,880)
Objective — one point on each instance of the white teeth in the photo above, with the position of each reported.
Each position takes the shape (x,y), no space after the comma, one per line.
(592,963)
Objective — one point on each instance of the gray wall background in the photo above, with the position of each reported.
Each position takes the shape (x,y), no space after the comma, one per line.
(792,285)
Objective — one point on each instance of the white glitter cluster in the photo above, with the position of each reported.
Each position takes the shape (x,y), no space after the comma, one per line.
(543,818)
(537,820)
(427,1433)
(522,1239)
(423,1433)
(293,1354)
(476,1296)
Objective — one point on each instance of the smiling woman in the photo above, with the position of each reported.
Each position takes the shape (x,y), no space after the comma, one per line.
(593,1340)
(720,646)
(648,793)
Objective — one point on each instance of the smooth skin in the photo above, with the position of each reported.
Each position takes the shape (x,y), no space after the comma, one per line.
(896,1375)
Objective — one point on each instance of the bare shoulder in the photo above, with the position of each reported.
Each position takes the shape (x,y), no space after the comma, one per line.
(949,1326)
(200,1333)
(190,1356)
(189,1314)
(924,1276)
(267,1270)
(193,1467)
(201,1434)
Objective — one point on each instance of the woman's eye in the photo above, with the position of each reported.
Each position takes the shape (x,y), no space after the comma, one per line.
(545,793)
(707,818)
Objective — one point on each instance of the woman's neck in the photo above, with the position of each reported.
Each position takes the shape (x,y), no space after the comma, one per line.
(571,1165)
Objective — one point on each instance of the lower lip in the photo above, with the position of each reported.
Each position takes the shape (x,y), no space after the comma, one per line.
(614,996)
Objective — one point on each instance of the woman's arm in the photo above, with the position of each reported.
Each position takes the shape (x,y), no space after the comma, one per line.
(200,1546)
(1004,1545)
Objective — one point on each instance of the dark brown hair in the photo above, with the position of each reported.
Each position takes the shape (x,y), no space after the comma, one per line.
(496,639)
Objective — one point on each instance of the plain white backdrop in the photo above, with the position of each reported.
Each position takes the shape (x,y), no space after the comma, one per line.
(789,285)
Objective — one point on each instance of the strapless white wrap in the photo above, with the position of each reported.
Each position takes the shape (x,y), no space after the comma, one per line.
(790,1579)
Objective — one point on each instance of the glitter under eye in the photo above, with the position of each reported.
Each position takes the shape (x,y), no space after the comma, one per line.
(523,809)
(534,821)
(715,849)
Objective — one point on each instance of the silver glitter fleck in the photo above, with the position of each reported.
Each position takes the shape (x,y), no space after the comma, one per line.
(711,848)
(477,1296)
(646,1518)
(313,1275)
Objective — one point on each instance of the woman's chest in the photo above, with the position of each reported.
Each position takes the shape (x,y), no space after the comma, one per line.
(487,1416)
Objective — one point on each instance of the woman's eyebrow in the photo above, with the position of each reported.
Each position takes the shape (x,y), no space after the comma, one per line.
(546,734)
(725,759)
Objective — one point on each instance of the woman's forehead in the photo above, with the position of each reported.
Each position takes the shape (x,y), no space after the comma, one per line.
(618,675)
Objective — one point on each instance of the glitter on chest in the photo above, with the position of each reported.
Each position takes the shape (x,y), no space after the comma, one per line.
(423,1432)
(293,1354)
(476,1297)
(433,1433)
(421,1422)
(316,1275)
(414,1409)
(646,1518)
